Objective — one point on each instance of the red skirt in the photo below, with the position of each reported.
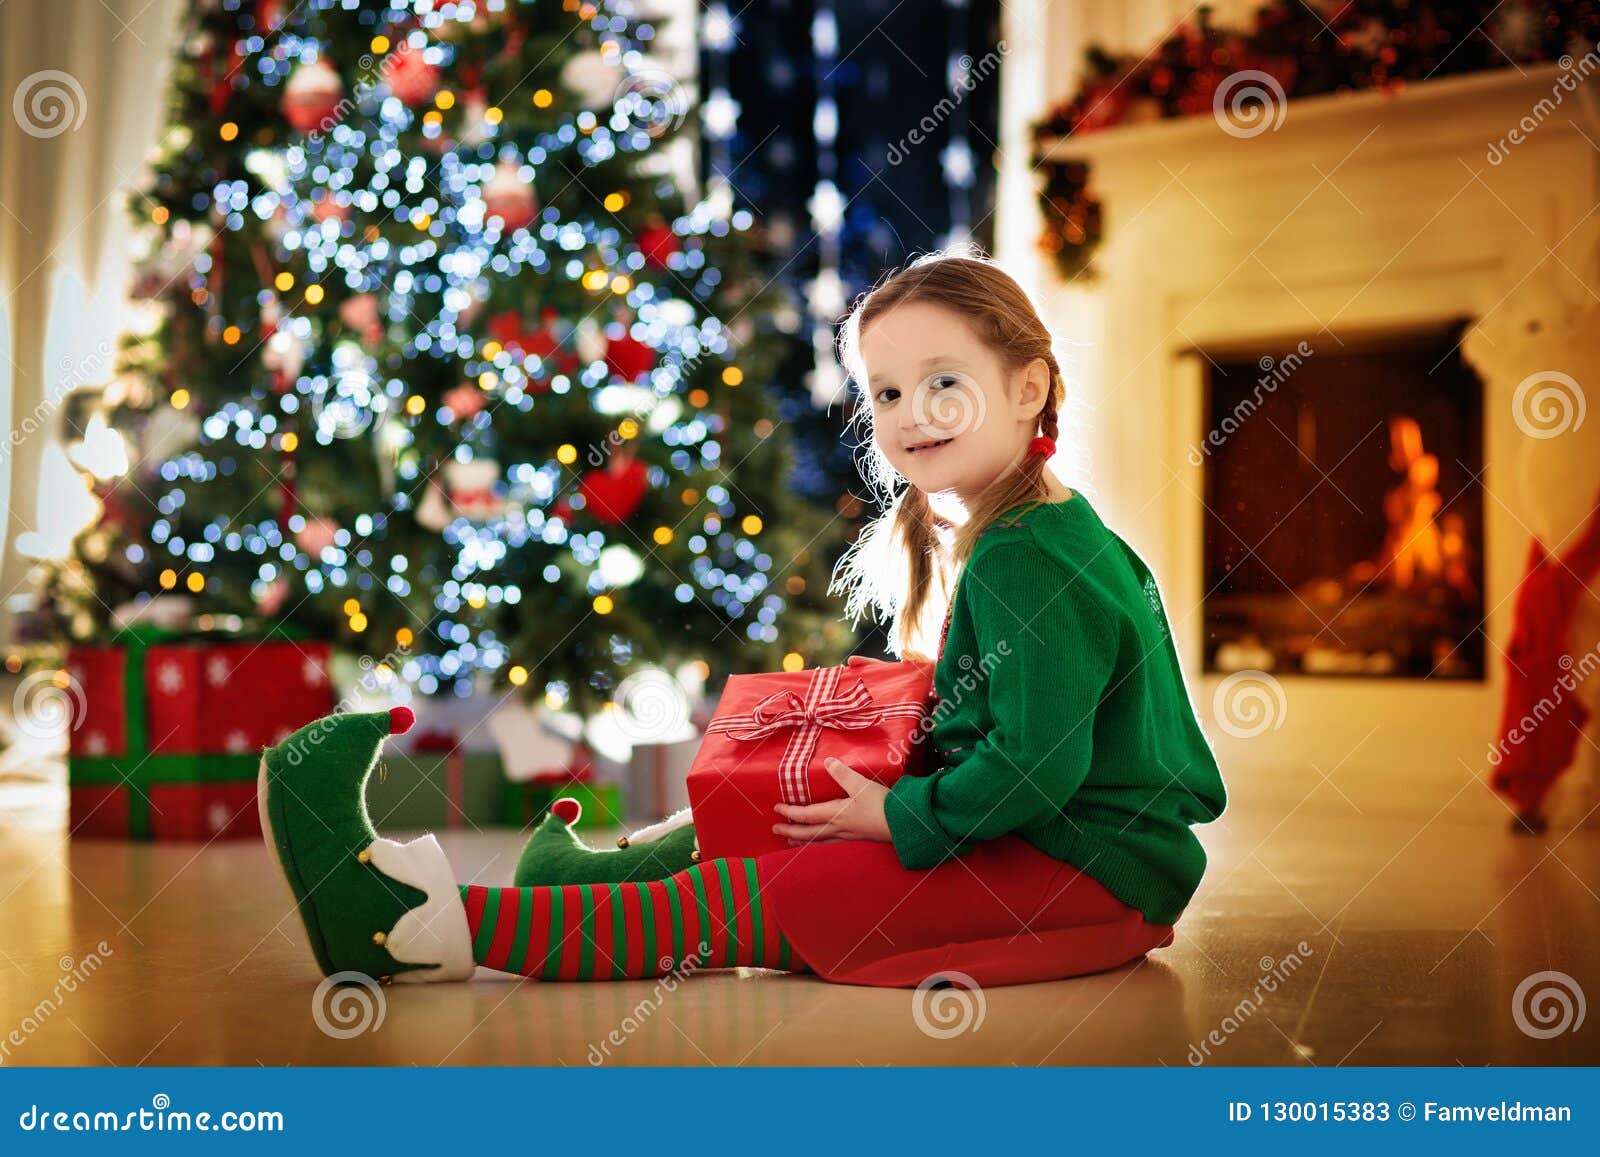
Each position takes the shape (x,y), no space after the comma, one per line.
(1004,913)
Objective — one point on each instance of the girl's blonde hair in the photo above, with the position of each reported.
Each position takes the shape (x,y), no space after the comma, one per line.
(905,563)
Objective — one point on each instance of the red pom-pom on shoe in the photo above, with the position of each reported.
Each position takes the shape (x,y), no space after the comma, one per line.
(567,810)
(400,720)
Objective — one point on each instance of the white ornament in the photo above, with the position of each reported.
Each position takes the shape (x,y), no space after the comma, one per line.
(593,79)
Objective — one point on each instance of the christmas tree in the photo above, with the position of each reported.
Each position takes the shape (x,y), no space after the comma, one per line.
(472,386)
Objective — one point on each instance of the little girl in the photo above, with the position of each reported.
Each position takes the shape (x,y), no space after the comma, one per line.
(1052,836)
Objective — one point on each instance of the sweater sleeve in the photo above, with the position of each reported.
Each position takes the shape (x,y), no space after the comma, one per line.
(1050,653)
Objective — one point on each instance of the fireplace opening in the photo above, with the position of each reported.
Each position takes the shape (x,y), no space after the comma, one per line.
(1344,508)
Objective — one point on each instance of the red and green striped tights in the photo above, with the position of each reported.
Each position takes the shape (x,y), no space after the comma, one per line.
(707,916)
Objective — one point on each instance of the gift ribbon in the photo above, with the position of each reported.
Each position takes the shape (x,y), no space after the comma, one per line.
(829,702)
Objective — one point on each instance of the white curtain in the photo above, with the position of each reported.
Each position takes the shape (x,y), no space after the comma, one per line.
(83,87)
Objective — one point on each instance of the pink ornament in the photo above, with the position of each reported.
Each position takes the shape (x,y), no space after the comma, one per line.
(271,599)
(510,198)
(360,313)
(328,209)
(316,536)
(464,401)
(412,79)
(311,98)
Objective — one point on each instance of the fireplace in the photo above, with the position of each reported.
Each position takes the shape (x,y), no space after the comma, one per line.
(1343,529)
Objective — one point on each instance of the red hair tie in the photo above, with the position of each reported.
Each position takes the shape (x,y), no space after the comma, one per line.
(1043,444)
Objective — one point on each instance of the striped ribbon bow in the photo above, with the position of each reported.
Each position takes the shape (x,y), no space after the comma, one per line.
(835,697)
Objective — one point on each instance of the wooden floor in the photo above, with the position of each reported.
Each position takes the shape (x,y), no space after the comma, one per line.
(1418,923)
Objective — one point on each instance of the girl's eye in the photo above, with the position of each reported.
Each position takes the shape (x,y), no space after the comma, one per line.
(887,395)
(947,380)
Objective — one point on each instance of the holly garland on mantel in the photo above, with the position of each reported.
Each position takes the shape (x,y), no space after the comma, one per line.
(1301,48)
(465,371)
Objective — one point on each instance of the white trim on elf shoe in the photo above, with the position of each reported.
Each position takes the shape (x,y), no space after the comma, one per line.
(435,932)
(655,831)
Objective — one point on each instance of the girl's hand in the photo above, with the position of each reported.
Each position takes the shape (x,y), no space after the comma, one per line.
(859,816)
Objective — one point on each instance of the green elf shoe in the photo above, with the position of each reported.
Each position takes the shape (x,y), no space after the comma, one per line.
(370,905)
(554,854)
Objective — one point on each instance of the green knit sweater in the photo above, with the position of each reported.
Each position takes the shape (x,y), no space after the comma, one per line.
(1064,717)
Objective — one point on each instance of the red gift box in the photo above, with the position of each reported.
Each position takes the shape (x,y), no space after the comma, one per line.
(168,738)
(771,734)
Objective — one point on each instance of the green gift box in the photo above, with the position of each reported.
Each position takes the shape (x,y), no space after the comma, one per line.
(527,803)
(435,789)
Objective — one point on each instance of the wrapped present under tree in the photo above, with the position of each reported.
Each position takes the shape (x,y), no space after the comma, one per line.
(169,740)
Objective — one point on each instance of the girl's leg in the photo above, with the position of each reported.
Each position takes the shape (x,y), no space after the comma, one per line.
(710,915)
(1004,913)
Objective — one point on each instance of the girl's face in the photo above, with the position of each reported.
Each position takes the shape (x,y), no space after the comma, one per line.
(945,411)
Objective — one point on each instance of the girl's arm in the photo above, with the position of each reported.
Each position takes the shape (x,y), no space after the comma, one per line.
(1050,651)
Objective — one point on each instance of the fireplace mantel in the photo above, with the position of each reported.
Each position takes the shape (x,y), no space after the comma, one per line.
(1359,215)
(1459,115)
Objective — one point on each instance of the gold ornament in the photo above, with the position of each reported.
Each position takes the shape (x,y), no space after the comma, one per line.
(622,841)
(379,939)
(365,855)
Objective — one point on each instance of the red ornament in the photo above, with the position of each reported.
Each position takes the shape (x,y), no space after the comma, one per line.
(510,198)
(658,243)
(567,810)
(311,98)
(629,358)
(613,492)
(412,79)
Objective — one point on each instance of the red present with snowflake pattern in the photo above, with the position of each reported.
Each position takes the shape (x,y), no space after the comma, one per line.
(167,734)
(771,734)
